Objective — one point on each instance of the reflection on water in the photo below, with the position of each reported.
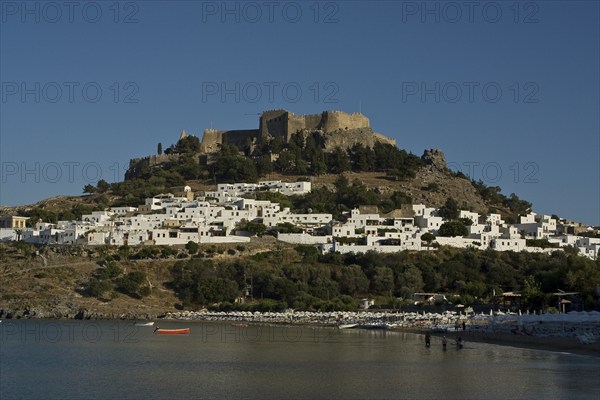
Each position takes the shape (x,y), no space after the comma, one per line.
(83,359)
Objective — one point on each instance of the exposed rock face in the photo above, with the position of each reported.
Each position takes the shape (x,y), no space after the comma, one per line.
(436,158)
(72,311)
(346,138)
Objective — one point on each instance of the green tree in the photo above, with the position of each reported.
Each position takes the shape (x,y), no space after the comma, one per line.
(111,270)
(159,149)
(255,228)
(317,163)
(382,281)
(131,283)
(124,252)
(188,167)
(428,238)
(103,186)
(532,295)
(192,247)
(517,205)
(264,166)
(230,166)
(410,280)
(309,253)
(189,144)
(89,189)
(215,289)
(362,158)
(353,281)
(400,199)
(274,197)
(453,228)
(96,287)
(337,161)
(449,210)
(286,162)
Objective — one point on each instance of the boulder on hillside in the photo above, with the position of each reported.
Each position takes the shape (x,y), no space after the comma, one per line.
(436,158)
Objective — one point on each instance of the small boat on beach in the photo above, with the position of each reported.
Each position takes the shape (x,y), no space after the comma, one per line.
(150,323)
(183,331)
(347,326)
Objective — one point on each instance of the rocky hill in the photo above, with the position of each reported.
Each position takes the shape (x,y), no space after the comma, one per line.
(288,147)
(432,185)
(31,288)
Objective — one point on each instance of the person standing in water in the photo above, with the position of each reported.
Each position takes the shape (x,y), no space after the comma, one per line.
(427,339)
(444,342)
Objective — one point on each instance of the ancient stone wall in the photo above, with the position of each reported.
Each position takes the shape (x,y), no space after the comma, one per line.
(278,127)
(300,122)
(138,165)
(211,140)
(163,158)
(273,120)
(240,138)
(154,159)
(334,120)
(295,123)
(284,124)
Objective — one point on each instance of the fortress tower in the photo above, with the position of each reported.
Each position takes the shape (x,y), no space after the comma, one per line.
(283,123)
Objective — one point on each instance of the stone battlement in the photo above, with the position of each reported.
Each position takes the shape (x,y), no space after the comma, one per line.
(155,159)
(283,123)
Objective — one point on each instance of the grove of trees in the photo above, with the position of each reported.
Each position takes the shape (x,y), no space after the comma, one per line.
(303,279)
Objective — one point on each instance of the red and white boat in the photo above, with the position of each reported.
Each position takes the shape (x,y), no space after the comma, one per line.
(183,331)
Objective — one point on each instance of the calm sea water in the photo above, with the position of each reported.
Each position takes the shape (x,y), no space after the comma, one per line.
(100,360)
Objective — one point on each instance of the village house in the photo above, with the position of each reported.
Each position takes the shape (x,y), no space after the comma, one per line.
(537,227)
(228,192)
(13,222)
(177,218)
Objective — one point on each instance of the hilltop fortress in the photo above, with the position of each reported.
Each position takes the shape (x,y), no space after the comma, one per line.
(335,128)
(338,129)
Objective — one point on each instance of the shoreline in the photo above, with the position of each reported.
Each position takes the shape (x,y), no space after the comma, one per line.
(557,337)
(419,324)
(557,344)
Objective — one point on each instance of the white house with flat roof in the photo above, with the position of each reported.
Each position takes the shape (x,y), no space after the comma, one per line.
(537,227)
(228,192)
(507,244)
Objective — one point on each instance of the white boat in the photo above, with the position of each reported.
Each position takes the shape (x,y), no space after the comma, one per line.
(347,326)
(150,323)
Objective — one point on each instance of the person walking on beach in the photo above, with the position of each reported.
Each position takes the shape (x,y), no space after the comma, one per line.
(427,339)
(444,343)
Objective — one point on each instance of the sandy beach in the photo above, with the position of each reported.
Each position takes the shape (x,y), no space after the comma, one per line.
(555,343)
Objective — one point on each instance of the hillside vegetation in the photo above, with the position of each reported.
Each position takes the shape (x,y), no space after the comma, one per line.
(145,282)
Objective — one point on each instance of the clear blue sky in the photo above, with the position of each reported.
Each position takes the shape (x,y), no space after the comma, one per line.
(509,91)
